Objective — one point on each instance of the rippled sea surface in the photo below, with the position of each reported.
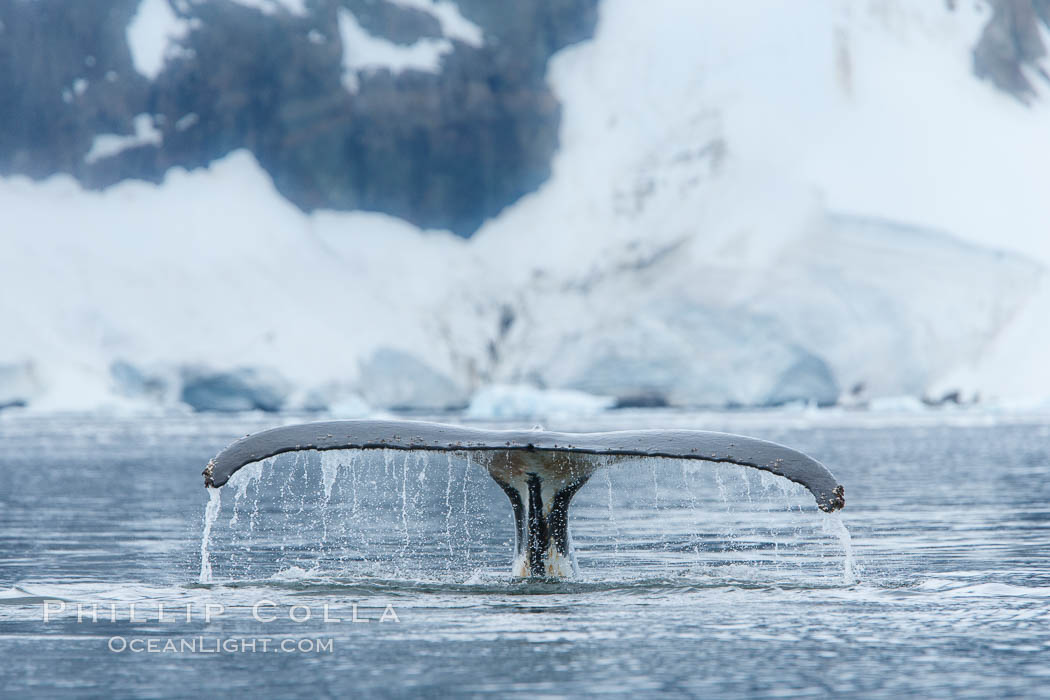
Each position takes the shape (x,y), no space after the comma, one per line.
(696,579)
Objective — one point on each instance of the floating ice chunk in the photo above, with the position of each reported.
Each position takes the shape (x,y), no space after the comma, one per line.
(897,404)
(350,406)
(522,402)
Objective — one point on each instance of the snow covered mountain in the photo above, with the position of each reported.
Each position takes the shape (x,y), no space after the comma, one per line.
(345,103)
(706,204)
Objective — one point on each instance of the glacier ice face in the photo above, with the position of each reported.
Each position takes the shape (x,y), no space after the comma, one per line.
(135,382)
(691,355)
(392,378)
(243,389)
(793,305)
(847,302)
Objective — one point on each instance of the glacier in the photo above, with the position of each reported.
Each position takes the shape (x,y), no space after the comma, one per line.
(735,217)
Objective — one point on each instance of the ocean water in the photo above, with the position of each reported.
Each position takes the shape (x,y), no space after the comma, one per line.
(386,574)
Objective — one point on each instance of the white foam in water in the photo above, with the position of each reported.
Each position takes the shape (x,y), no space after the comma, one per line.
(295,573)
(832,524)
(211,513)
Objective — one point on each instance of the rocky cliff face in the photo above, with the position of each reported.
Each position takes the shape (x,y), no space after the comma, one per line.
(1011,47)
(446,148)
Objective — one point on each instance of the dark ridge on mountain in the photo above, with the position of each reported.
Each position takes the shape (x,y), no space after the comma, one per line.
(1011,46)
(445,150)
(442,150)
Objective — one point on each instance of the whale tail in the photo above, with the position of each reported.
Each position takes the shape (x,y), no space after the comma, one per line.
(540,487)
(539,471)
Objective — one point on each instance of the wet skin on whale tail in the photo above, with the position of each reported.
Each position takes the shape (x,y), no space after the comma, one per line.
(540,471)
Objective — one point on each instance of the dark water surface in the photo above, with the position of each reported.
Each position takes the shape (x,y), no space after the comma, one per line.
(696,580)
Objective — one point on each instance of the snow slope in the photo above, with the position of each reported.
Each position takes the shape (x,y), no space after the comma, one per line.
(152,34)
(212,267)
(363,52)
(753,203)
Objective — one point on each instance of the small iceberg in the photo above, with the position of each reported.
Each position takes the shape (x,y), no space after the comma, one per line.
(524,402)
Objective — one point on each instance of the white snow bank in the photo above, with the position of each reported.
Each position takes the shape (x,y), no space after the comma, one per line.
(109,145)
(453,24)
(271,7)
(523,402)
(364,52)
(212,268)
(150,35)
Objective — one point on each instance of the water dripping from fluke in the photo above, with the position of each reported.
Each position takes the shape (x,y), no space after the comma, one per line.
(211,514)
(539,471)
(833,525)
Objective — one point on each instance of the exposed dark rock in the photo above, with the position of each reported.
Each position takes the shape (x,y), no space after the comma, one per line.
(644,400)
(242,389)
(443,150)
(1011,42)
(953,397)
(45,125)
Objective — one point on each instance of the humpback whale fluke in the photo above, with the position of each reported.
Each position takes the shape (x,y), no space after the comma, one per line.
(540,471)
